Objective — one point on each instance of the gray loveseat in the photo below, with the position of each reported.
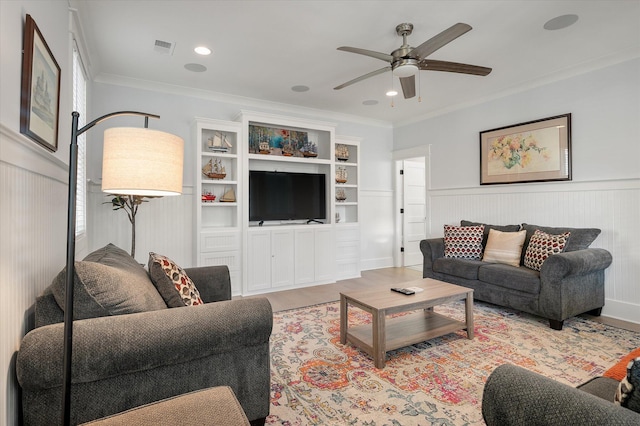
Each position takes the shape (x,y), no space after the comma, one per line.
(568,284)
(136,350)
(514,396)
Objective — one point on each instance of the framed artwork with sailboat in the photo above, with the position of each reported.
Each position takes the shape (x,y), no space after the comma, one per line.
(40,93)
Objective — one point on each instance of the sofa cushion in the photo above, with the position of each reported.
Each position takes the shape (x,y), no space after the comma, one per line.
(172,282)
(507,276)
(543,245)
(487,228)
(463,242)
(602,387)
(504,247)
(581,238)
(463,268)
(108,282)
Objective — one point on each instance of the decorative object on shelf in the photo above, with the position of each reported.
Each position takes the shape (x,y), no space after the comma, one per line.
(229,196)
(340,195)
(214,169)
(219,143)
(337,217)
(263,148)
(309,150)
(40,98)
(535,151)
(341,175)
(277,141)
(136,162)
(208,197)
(342,152)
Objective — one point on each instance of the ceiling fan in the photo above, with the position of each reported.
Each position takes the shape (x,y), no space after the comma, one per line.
(406,61)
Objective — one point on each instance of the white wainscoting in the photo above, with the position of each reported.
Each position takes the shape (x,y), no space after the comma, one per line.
(612,206)
(163,225)
(33,194)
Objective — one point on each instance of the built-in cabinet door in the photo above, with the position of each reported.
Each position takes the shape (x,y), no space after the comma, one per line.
(282,258)
(325,261)
(259,257)
(305,256)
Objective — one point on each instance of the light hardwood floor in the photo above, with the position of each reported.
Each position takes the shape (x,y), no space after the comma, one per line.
(387,277)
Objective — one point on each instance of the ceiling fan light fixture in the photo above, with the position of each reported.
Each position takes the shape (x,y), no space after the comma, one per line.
(407,68)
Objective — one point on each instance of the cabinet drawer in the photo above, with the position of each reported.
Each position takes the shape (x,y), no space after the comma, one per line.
(219,241)
(344,233)
(229,258)
(347,250)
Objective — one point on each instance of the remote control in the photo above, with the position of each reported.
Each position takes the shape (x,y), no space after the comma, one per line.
(403,291)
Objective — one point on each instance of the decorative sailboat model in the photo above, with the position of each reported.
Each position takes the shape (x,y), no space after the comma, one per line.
(340,195)
(229,196)
(341,175)
(219,143)
(214,170)
(342,152)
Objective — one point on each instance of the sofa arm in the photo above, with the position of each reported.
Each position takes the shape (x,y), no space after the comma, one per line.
(579,262)
(515,396)
(118,345)
(432,249)
(213,282)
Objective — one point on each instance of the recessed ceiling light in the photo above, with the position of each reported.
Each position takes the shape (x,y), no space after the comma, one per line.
(370,102)
(300,88)
(202,50)
(392,92)
(195,67)
(560,22)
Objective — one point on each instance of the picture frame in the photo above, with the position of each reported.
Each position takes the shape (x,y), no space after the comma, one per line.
(534,151)
(40,92)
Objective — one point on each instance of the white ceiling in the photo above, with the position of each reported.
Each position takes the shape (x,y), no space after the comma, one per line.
(263,48)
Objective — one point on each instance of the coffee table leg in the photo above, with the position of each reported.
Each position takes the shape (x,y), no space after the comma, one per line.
(344,319)
(379,337)
(469,314)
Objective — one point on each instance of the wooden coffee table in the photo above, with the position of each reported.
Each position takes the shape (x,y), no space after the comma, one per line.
(386,335)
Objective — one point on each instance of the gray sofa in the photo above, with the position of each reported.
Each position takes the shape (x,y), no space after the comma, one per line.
(514,396)
(568,284)
(131,349)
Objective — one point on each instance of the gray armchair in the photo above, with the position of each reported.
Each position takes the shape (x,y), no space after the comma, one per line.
(514,396)
(125,361)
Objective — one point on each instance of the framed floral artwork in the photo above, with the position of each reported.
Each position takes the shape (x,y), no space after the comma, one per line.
(535,151)
(40,97)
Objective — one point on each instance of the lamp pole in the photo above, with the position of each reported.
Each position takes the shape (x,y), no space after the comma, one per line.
(71,249)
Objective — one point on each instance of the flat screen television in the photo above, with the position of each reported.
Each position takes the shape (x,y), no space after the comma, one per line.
(286,196)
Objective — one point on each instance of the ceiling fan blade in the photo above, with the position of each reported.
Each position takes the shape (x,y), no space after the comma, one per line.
(363,77)
(432,65)
(408,86)
(436,42)
(371,53)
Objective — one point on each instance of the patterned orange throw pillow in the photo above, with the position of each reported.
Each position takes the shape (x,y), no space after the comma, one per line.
(619,370)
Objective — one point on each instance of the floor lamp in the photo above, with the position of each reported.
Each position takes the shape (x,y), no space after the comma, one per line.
(135,161)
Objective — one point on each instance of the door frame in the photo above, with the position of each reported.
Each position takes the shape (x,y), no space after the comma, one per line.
(397,158)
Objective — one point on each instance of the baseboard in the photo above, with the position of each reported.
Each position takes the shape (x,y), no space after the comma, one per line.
(382,262)
(621,310)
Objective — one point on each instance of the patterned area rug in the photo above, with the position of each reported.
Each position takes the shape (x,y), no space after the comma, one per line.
(317,381)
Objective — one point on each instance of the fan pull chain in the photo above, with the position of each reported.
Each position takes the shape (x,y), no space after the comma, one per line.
(419,89)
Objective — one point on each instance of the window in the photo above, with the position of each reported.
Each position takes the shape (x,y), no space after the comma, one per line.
(80,105)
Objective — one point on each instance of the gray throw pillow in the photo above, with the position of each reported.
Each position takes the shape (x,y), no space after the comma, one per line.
(108,282)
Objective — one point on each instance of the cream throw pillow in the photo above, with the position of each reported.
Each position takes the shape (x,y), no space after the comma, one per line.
(504,247)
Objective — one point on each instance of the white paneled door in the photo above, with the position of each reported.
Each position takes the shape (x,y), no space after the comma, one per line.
(414,206)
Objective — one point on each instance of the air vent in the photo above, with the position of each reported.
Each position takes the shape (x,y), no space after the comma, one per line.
(164,47)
